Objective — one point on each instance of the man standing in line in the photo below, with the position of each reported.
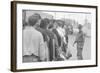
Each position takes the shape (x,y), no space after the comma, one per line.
(64,39)
(33,43)
(51,44)
(45,36)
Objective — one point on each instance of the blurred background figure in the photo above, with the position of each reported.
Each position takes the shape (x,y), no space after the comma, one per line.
(80,42)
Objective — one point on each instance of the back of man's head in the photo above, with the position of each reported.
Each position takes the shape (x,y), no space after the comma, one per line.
(33,19)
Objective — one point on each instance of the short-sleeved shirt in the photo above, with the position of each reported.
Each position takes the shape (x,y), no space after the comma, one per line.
(33,42)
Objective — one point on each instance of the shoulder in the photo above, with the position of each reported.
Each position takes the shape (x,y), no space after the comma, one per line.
(27,30)
(36,32)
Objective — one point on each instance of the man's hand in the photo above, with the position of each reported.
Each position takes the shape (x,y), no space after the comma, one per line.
(74,43)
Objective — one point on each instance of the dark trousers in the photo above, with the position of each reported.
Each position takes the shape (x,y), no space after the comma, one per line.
(30,58)
(50,50)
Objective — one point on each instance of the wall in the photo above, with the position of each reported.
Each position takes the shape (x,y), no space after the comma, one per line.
(5,37)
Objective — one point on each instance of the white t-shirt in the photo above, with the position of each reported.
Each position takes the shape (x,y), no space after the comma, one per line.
(33,42)
(62,33)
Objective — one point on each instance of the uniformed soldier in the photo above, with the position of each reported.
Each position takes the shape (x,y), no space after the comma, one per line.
(80,42)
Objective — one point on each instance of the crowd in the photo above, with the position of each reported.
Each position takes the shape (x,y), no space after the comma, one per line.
(47,40)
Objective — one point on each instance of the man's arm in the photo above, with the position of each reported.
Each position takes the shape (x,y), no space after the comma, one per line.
(74,43)
(42,49)
(76,39)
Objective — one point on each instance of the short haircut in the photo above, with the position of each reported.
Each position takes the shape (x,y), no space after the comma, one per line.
(44,23)
(32,20)
(37,15)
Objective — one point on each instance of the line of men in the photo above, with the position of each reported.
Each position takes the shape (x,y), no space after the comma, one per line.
(45,40)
